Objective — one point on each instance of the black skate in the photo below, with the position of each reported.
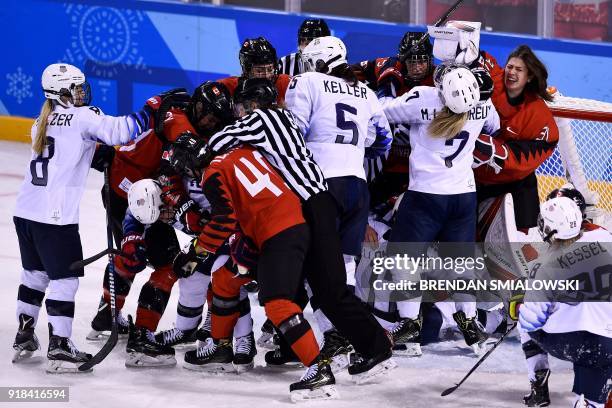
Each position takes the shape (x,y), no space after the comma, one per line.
(203,332)
(366,369)
(282,359)
(538,397)
(407,338)
(251,287)
(176,338)
(144,351)
(473,332)
(63,356)
(268,338)
(318,383)
(336,349)
(26,342)
(245,353)
(213,357)
(102,323)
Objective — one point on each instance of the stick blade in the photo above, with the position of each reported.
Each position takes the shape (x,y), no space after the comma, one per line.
(449,390)
(104,351)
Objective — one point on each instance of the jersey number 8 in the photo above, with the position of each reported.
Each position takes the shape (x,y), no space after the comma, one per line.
(43,160)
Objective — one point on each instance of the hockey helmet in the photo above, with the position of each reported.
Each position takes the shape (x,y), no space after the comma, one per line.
(211,98)
(323,54)
(144,200)
(559,218)
(65,80)
(258,52)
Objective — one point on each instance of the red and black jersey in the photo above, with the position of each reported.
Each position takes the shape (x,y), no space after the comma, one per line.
(282,82)
(381,71)
(141,158)
(368,71)
(246,192)
(528,130)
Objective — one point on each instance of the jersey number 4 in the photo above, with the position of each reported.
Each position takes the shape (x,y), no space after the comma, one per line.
(262,181)
(41,164)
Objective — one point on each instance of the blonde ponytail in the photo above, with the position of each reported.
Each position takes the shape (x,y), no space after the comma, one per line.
(447,124)
(41,130)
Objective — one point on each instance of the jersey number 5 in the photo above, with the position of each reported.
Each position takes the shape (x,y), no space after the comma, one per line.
(262,181)
(42,163)
(342,123)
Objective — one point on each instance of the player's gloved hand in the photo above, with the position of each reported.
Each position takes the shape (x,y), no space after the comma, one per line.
(491,152)
(515,303)
(244,252)
(134,253)
(533,315)
(187,260)
(485,82)
(188,213)
(390,79)
(103,157)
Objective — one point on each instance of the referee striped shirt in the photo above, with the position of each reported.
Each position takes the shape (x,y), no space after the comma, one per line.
(291,64)
(274,133)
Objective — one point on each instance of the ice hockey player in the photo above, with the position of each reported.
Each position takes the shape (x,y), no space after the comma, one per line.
(572,326)
(339,139)
(47,209)
(311,28)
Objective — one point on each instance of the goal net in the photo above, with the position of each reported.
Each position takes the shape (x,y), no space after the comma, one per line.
(584,154)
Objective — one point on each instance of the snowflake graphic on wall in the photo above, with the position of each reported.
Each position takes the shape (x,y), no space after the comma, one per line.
(19,85)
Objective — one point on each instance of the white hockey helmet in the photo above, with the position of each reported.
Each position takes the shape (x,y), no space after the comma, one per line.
(144,200)
(324,54)
(458,88)
(559,218)
(66,80)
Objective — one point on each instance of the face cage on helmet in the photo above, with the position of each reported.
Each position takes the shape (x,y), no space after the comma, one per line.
(419,58)
(76,95)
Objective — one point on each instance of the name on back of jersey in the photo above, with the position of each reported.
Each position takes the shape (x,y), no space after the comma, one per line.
(334,87)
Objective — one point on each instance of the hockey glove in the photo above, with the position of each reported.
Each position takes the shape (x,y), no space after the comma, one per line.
(188,214)
(485,83)
(491,152)
(103,157)
(515,303)
(389,82)
(244,253)
(134,257)
(533,315)
(186,261)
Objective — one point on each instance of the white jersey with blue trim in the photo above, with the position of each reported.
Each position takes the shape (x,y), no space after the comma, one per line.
(338,122)
(55,180)
(589,260)
(439,165)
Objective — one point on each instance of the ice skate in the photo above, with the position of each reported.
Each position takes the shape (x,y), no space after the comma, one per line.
(177,338)
(245,352)
(407,338)
(63,356)
(473,332)
(102,323)
(336,349)
(366,369)
(268,338)
(538,397)
(212,357)
(144,351)
(26,342)
(318,383)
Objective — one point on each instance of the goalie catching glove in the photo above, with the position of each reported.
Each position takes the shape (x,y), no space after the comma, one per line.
(491,152)
(186,261)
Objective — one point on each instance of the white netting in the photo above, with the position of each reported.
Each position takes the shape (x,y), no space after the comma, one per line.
(584,151)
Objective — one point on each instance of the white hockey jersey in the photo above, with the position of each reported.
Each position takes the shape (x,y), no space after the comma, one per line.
(437,165)
(55,180)
(589,259)
(338,121)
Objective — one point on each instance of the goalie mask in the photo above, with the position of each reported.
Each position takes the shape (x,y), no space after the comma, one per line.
(457,87)
(559,218)
(66,84)
(323,54)
(144,200)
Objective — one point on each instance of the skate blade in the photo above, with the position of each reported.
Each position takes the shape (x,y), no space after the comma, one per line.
(266,343)
(378,370)
(185,346)
(100,336)
(26,357)
(407,350)
(211,368)
(326,392)
(65,367)
(480,348)
(243,368)
(141,360)
(294,365)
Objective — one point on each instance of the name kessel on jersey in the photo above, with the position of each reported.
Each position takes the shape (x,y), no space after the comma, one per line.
(344,88)
(582,253)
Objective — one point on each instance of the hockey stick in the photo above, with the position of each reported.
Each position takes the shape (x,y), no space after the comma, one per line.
(438,23)
(483,358)
(81,264)
(114,336)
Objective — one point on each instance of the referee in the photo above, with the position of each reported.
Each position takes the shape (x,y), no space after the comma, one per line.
(272,130)
(311,28)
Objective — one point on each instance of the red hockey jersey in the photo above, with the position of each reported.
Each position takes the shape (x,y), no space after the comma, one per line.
(282,82)
(246,192)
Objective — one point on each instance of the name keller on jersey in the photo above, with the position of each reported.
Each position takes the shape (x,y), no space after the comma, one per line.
(344,88)
(478,285)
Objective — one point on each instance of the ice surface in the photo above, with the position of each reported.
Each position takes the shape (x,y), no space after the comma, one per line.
(500,382)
